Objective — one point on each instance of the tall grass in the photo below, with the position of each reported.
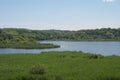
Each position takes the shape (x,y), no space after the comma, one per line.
(59,66)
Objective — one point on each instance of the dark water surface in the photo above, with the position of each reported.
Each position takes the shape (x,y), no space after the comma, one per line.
(104,48)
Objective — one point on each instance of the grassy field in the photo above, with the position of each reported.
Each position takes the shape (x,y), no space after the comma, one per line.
(59,66)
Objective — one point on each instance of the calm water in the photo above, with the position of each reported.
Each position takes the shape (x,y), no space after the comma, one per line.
(105,48)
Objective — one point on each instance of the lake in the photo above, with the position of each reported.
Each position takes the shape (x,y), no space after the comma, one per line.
(97,47)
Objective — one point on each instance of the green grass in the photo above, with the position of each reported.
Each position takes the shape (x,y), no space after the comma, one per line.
(60,66)
(27,45)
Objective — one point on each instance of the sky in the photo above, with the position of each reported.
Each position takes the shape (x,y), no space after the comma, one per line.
(60,14)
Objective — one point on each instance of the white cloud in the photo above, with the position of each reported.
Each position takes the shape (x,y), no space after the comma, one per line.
(108,1)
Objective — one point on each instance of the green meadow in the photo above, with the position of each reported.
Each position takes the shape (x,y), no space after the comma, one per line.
(59,66)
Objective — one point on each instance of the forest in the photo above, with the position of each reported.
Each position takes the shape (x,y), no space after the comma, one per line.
(18,35)
(18,38)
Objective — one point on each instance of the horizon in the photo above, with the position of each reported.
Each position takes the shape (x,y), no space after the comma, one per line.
(60,29)
(60,14)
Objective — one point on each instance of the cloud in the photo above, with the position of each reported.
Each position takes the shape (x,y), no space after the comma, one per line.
(108,1)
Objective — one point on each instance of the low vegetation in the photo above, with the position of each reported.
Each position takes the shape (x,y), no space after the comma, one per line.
(27,45)
(59,66)
(38,69)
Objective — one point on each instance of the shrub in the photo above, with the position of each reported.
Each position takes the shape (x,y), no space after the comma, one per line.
(95,56)
(38,69)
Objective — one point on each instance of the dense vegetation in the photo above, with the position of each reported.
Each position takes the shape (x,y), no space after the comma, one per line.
(59,66)
(11,38)
(27,45)
(24,38)
(97,34)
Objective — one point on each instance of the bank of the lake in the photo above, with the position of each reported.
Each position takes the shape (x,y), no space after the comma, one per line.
(27,45)
(105,48)
(59,66)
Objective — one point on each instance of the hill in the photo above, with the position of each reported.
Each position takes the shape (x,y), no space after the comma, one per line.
(18,38)
(86,35)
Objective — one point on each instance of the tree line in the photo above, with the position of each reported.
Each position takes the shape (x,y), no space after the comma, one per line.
(15,34)
(22,39)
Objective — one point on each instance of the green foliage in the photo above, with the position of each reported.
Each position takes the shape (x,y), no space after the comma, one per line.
(60,66)
(16,38)
(96,34)
(27,45)
(23,38)
(96,56)
(108,77)
(38,69)
(28,78)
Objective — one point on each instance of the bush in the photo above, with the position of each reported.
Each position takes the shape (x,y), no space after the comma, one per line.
(38,69)
(95,56)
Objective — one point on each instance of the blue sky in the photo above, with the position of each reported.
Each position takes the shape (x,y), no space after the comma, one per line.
(60,14)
